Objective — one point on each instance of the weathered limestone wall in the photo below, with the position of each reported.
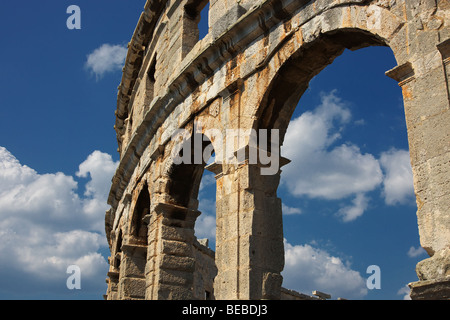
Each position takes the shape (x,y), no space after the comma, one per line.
(205,271)
(249,72)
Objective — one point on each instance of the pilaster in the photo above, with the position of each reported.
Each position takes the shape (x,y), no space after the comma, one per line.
(249,242)
(171,262)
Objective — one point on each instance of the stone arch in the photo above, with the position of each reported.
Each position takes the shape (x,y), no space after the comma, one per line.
(307,52)
(248,201)
(176,260)
(308,49)
(350,104)
(118,250)
(133,240)
(294,75)
(184,176)
(115,261)
(191,19)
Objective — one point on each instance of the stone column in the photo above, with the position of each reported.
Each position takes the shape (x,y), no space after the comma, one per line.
(425,86)
(114,260)
(113,284)
(131,278)
(249,240)
(170,260)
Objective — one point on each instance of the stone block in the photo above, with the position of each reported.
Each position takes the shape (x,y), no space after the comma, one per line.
(132,266)
(175,277)
(130,288)
(171,262)
(177,248)
(429,138)
(430,290)
(173,292)
(177,234)
(435,268)
(223,18)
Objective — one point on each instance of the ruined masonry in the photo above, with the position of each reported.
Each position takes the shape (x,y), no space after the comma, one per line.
(249,72)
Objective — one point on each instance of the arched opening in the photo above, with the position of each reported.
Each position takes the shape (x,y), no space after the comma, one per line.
(329,140)
(134,247)
(205,228)
(141,211)
(150,80)
(205,233)
(118,251)
(185,212)
(185,175)
(296,73)
(114,272)
(203,24)
(195,23)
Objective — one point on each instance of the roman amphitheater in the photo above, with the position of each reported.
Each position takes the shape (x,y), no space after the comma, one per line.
(249,73)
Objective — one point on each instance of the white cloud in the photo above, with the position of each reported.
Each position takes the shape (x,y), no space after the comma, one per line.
(45,226)
(290,210)
(308,268)
(99,167)
(416,252)
(205,226)
(106,58)
(405,291)
(315,130)
(12,173)
(398,185)
(322,169)
(359,205)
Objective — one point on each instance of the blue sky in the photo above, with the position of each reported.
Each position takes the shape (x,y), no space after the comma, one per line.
(347,195)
